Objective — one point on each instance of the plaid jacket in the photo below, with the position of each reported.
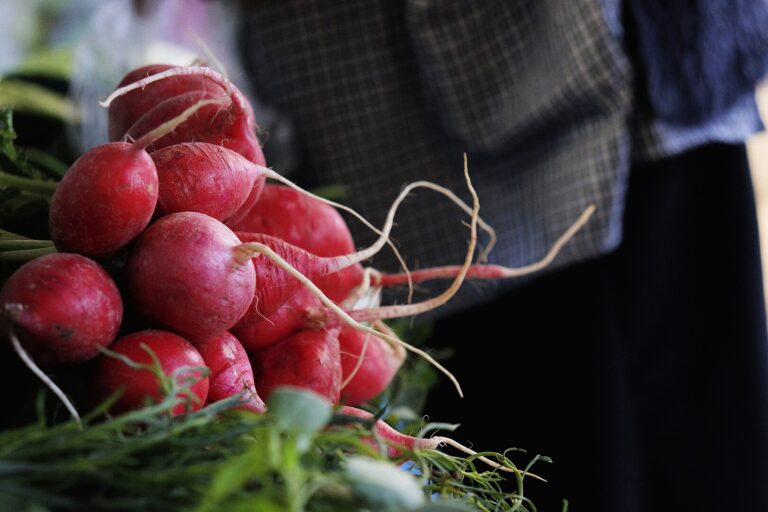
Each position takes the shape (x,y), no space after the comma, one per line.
(543,95)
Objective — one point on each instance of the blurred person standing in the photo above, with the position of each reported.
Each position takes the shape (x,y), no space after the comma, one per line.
(639,361)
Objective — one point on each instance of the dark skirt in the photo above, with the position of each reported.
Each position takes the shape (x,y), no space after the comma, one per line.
(642,374)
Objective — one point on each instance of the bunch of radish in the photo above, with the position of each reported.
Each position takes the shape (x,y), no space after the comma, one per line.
(244,286)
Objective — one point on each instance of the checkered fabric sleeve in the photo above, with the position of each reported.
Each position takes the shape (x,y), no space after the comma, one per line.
(539,93)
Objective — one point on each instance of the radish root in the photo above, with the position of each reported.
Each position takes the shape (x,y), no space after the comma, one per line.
(25,357)
(411,309)
(493,271)
(437,440)
(483,256)
(167,127)
(179,71)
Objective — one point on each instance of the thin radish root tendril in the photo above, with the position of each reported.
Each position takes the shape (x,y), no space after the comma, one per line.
(24,356)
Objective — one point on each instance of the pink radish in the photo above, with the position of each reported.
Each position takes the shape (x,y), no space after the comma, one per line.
(206,178)
(362,379)
(293,316)
(365,379)
(300,220)
(109,194)
(178,359)
(104,201)
(310,224)
(233,127)
(228,127)
(62,307)
(277,285)
(214,180)
(282,286)
(159,99)
(303,310)
(126,110)
(395,440)
(308,360)
(186,273)
(231,371)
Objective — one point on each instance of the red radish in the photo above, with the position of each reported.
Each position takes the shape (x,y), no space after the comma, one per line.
(338,285)
(62,307)
(231,371)
(310,224)
(178,359)
(175,285)
(214,180)
(303,310)
(275,286)
(364,380)
(252,199)
(104,201)
(233,127)
(308,360)
(227,127)
(109,194)
(126,110)
(300,220)
(293,316)
(281,286)
(206,178)
(185,272)
(394,439)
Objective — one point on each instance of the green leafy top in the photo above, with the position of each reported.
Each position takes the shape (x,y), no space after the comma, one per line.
(18,162)
(7,133)
(299,456)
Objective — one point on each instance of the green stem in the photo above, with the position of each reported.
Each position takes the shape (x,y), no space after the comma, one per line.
(17,245)
(43,159)
(293,475)
(25,254)
(30,185)
(7,235)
